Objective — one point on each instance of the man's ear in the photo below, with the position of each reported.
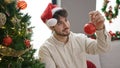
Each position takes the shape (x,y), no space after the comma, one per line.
(52,28)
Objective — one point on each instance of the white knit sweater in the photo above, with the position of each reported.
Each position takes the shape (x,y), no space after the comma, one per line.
(56,54)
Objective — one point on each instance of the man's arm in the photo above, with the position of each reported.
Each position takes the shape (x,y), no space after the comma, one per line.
(103,39)
(45,57)
(101,44)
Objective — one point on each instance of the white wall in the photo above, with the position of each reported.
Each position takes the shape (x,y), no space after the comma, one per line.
(111,59)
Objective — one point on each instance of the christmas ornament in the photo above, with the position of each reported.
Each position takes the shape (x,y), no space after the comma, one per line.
(89,28)
(3,27)
(20,59)
(118,35)
(8,1)
(7,13)
(111,33)
(21,4)
(119,6)
(0,59)
(29,31)
(27,43)
(7,40)
(117,32)
(15,20)
(109,14)
(2,19)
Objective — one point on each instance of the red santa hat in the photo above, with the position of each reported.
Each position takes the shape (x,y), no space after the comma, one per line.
(48,14)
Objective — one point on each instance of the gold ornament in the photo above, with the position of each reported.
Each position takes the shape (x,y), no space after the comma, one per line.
(19,32)
(20,59)
(0,59)
(15,20)
(3,27)
(6,51)
(2,19)
(13,28)
(8,1)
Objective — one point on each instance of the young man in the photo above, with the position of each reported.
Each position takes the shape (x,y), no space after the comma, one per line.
(65,49)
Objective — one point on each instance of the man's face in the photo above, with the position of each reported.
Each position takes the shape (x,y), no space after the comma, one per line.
(62,28)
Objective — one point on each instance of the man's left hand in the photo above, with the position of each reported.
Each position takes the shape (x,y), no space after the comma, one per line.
(97,19)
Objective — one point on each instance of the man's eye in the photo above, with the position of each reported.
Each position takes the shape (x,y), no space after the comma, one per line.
(59,23)
(66,20)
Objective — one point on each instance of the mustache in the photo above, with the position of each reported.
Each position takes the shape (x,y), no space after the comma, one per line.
(65,29)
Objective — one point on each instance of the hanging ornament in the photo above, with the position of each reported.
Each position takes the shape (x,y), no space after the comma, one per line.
(0,59)
(118,35)
(7,40)
(8,1)
(8,14)
(3,27)
(119,6)
(109,14)
(118,32)
(111,33)
(29,31)
(19,31)
(27,43)
(89,28)
(20,59)
(2,19)
(15,20)
(21,4)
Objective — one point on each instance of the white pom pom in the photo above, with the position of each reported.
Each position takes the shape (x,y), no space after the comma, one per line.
(51,22)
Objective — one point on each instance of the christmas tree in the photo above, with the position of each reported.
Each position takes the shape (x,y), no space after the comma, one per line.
(15,36)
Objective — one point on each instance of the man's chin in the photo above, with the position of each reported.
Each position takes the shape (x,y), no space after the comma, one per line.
(66,34)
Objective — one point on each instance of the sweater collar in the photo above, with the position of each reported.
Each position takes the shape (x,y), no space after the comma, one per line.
(59,42)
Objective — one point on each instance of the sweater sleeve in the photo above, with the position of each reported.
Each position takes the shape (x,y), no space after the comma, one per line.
(44,57)
(100,45)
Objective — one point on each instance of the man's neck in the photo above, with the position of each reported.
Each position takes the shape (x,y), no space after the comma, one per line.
(63,39)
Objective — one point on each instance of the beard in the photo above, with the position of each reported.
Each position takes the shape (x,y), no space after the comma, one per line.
(65,32)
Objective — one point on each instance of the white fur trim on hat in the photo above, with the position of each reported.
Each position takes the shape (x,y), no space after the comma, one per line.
(51,22)
(55,9)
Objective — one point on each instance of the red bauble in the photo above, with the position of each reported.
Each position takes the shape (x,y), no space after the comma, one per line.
(21,4)
(111,33)
(27,42)
(89,28)
(7,40)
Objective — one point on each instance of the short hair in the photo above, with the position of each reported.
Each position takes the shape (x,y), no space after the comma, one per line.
(59,13)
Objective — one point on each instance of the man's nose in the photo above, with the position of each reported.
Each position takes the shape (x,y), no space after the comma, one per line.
(66,24)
